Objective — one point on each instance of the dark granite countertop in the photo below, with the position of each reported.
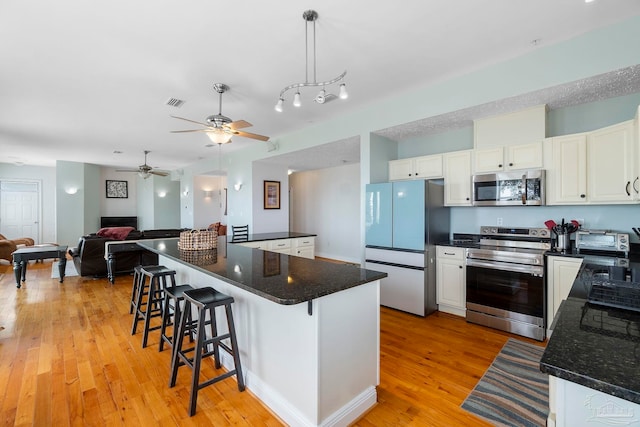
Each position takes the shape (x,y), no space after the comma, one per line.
(260,237)
(283,279)
(595,345)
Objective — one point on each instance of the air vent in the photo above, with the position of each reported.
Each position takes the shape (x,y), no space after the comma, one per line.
(174,102)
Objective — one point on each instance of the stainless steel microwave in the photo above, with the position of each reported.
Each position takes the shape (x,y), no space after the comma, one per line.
(514,188)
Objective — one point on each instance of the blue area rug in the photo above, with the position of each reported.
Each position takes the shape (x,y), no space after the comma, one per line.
(513,391)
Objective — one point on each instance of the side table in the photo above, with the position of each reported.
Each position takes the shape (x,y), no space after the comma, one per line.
(22,256)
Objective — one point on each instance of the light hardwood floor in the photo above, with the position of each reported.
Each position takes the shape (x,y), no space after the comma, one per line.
(67,358)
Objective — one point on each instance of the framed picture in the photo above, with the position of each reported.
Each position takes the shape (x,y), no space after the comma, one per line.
(117,189)
(272,194)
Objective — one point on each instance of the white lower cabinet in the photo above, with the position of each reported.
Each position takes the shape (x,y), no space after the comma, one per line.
(561,273)
(451,280)
(303,247)
(572,404)
(300,246)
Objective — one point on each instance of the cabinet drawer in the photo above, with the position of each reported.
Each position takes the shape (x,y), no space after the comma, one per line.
(448,252)
(281,244)
(264,245)
(303,241)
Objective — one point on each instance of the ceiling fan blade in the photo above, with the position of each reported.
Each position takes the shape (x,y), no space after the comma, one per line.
(239,124)
(159,173)
(189,120)
(192,130)
(251,135)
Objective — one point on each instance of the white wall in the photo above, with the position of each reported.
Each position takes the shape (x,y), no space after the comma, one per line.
(326,202)
(269,220)
(208,210)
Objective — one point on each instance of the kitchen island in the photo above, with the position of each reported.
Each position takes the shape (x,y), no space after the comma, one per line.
(308,331)
(593,355)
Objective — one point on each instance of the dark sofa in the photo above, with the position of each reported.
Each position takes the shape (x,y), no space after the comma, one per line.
(88,256)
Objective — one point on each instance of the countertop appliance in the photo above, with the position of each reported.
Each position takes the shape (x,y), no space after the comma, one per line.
(602,241)
(505,280)
(403,222)
(515,188)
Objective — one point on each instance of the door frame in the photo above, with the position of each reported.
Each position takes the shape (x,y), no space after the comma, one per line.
(38,183)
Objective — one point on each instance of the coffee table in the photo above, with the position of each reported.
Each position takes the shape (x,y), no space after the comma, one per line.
(22,256)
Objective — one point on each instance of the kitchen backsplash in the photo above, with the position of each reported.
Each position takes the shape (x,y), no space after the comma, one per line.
(611,217)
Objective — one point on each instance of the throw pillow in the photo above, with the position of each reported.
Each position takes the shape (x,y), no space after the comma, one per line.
(117,233)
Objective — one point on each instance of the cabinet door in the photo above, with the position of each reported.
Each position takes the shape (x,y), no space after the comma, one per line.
(561,273)
(457,178)
(450,280)
(409,215)
(378,214)
(567,176)
(427,167)
(488,160)
(610,164)
(401,169)
(524,156)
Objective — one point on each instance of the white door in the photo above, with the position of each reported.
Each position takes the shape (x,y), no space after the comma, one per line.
(20,209)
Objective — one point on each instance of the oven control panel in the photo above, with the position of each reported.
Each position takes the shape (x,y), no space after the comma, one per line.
(488,230)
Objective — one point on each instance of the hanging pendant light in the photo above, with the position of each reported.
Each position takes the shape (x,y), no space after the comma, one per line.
(310,16)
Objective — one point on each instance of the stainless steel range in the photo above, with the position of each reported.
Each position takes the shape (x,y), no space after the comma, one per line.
(505,280)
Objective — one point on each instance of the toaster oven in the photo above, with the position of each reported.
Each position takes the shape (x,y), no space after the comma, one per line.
(602,241)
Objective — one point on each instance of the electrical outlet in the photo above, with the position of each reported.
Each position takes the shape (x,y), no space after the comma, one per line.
(499,222)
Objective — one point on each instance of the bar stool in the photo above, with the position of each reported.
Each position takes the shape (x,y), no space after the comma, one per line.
(203,300)
(137,275)
(173,297)
(151,307)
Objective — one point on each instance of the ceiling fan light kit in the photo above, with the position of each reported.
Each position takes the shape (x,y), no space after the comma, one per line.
(220,129)
(145,171)
(310,16)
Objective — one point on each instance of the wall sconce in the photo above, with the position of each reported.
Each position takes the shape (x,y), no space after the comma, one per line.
(162,193)
(208,194)
(237,186)
(71,190)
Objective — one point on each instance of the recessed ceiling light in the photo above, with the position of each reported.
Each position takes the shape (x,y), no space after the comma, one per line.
(589,1)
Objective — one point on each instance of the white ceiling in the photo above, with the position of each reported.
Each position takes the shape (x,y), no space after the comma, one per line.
(80,80)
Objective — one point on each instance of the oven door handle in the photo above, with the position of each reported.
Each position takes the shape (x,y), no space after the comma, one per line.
(506,266)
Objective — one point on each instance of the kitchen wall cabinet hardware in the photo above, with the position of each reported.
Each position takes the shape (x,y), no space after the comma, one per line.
(423,167)
(457,178)
(561,273)
(451,280)
(513,157)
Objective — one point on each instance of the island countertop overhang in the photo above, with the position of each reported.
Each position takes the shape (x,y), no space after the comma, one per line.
(283,279)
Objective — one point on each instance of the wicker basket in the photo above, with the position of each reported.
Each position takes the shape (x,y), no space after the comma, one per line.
(196,240)
(200,257)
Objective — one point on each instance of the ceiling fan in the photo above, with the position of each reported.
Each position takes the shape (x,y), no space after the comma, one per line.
(220,128)
(145,171)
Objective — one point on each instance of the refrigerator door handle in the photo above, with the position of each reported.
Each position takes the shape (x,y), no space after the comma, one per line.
(393,264)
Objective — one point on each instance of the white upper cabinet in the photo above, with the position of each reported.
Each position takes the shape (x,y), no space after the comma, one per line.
(566,169)
(424,167)
(610,164)
(457,178)
(593,167)
(512,157)
(517,128)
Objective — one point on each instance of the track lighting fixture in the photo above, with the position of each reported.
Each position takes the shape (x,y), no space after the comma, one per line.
(310,16)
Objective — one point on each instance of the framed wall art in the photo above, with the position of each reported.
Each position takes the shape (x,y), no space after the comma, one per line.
(272,194)
(117,189)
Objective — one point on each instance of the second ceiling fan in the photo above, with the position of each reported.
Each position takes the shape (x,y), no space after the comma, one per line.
(220,128)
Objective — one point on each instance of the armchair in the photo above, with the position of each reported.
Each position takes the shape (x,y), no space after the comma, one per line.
(9,246)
